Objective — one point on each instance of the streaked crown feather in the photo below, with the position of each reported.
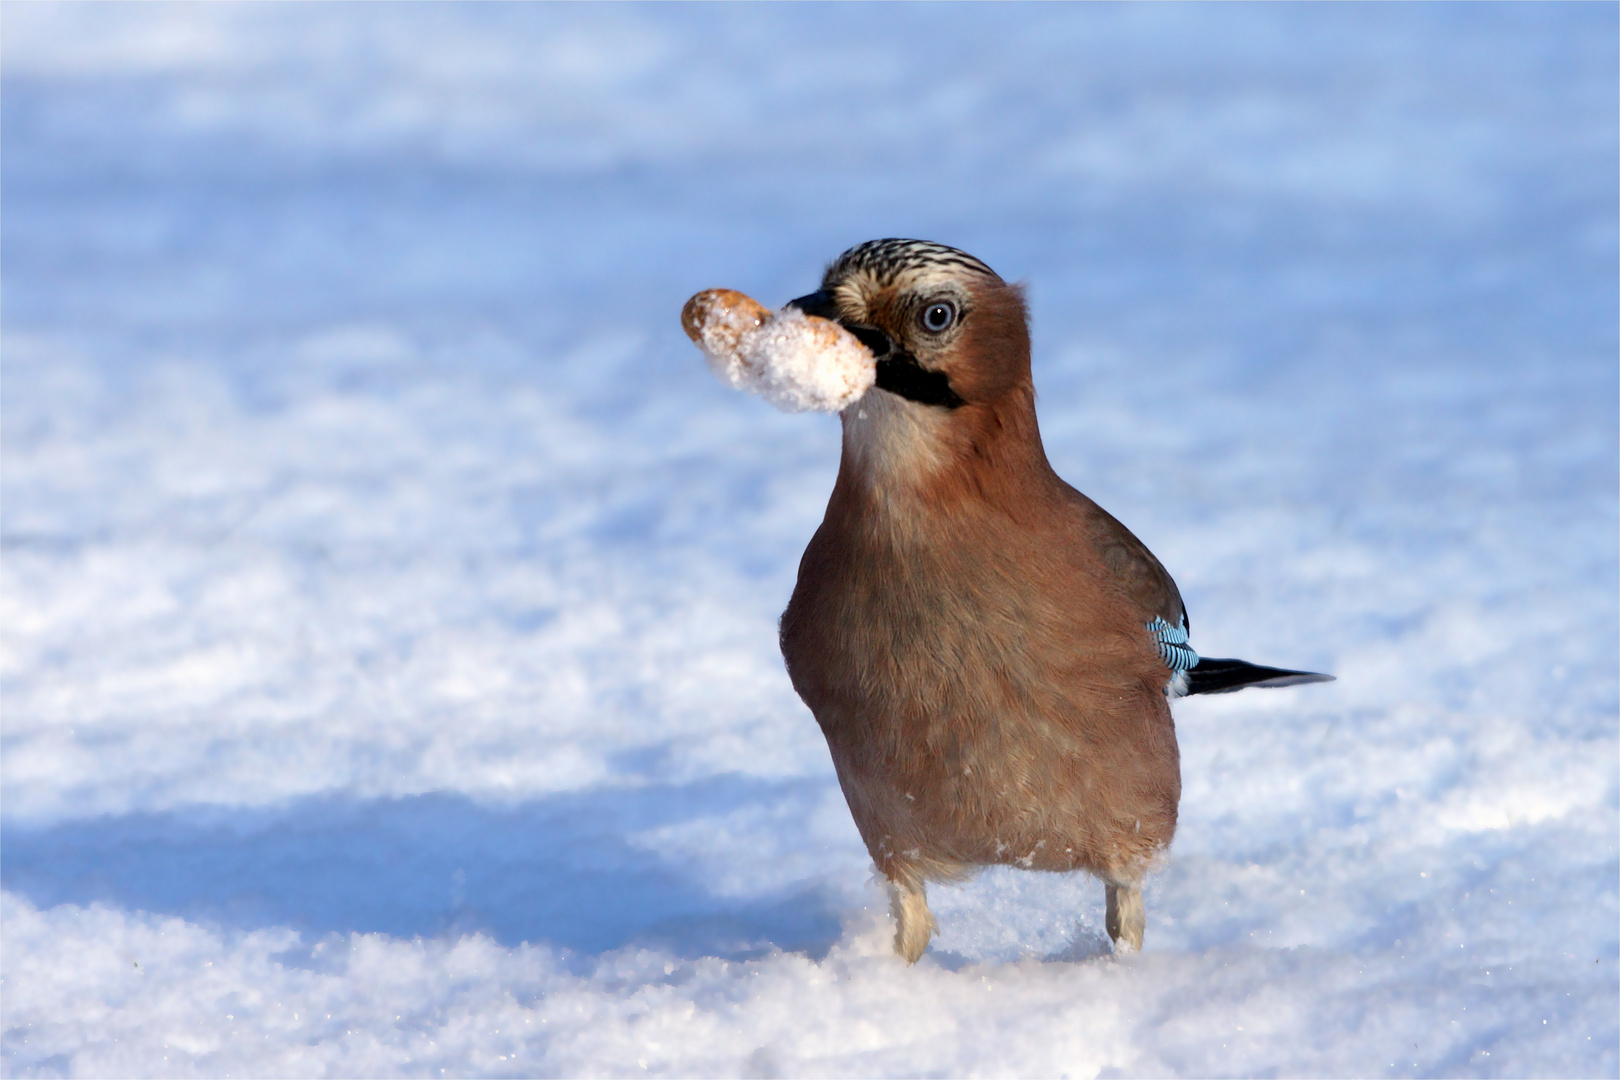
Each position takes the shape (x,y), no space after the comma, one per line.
(885,261)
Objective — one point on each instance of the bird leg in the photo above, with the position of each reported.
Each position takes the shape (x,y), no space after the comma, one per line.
(1126,918)
(913,922)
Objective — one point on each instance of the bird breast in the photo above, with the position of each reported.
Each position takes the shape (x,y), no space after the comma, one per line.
(980,697)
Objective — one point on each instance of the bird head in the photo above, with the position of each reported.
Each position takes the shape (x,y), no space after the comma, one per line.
(945,329)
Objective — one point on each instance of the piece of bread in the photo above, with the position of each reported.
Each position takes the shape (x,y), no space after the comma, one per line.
(795,361)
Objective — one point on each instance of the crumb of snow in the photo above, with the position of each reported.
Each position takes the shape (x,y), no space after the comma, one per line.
(797,362)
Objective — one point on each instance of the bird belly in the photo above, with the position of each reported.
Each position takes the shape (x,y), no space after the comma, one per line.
(959,792)
(961,740)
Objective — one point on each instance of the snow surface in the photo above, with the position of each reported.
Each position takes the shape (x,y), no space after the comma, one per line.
(389,594)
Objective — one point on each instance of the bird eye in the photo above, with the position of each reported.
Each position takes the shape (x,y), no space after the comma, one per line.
(936,317)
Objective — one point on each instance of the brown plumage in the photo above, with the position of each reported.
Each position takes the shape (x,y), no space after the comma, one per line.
(972,633)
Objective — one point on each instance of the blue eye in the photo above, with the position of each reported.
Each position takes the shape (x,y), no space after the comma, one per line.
(937,317)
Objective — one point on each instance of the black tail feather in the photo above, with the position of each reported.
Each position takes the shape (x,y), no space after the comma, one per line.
(1212,676)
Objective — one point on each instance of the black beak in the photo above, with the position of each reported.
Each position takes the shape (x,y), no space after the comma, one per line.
(822,304)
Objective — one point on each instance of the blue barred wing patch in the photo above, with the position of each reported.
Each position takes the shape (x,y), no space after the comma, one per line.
(1173,647)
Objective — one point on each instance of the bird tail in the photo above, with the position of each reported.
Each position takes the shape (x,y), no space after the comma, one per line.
(1212,676)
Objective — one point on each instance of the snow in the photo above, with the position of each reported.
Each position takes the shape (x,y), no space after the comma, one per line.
(797,362)
(387,646)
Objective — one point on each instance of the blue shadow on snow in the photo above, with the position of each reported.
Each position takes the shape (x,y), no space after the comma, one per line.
(557,870)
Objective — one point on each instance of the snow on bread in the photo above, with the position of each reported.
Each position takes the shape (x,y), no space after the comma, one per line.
(795,361)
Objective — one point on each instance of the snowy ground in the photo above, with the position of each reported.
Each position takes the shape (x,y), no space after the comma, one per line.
(390,681)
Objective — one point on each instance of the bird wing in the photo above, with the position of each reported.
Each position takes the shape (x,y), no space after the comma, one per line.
(1132,566)
(1146,582)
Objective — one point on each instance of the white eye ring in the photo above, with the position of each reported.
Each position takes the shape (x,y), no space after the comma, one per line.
(938,316)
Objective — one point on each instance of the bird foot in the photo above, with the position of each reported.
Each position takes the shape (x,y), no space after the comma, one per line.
(913,923)
(1126,918)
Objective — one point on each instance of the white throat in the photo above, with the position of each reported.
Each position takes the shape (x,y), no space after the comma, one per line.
(894,445)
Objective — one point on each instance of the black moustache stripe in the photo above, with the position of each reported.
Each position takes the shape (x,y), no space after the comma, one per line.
(899,373)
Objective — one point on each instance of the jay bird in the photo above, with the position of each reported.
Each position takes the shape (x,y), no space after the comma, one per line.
(989,653)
